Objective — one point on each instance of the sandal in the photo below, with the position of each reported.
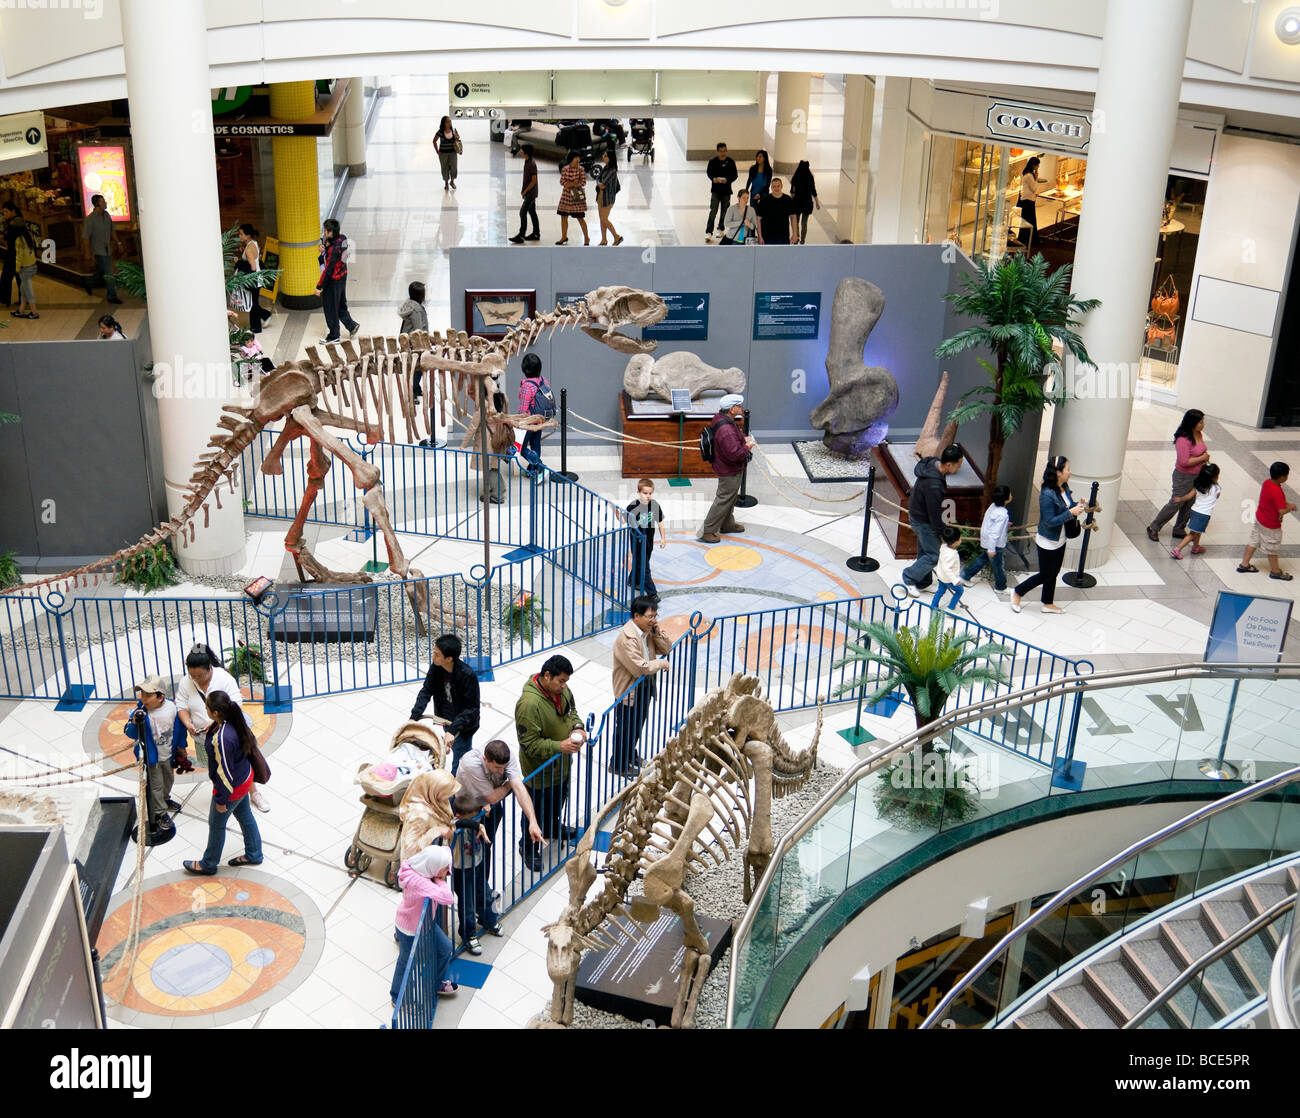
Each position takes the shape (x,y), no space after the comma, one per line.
(1247,569)
(448,988)
(1174,553)
(618,241)
(197,869)
(1281,576)
(242,860)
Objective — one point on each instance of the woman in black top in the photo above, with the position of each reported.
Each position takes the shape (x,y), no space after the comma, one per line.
(760,178)
(803,189)
(607,187)
(445,144)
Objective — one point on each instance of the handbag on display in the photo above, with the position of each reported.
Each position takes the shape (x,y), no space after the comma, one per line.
(1165,300)
(1161,329)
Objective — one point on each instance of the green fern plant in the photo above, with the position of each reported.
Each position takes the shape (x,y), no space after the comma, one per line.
(523,612)
(9,573)
(245,659)
(148,570)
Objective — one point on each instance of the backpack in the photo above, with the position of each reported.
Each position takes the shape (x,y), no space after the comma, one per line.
(543,403)
(706,442)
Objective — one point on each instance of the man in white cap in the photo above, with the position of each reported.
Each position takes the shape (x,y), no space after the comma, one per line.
(151,725)
(731,450)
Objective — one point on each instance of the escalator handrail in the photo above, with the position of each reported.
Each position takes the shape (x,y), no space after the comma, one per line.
(1227,803)
(1213,955)
(1013,700)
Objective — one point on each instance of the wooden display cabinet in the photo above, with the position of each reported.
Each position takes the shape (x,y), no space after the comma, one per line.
(640,460)
(894,478)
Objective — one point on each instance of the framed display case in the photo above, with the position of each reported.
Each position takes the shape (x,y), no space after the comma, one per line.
(493,314)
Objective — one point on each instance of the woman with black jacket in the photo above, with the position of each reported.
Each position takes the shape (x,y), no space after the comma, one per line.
(803,189)
(1056,506)
(760,178)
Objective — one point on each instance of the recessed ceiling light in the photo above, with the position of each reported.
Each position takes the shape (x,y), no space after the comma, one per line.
(1287,26)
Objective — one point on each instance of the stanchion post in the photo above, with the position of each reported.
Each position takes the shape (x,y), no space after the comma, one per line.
(1080,579)
(679,480)
(862,562)
(564,436)
(745,500)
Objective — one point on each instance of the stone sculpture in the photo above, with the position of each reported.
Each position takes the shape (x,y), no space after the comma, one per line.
(370,388)
(645,378)
(861,397)
(697,789)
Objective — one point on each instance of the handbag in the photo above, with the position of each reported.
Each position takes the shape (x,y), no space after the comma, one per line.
(1072,528)
(1161,328)
(261,770)
(460,148)
(1164,303)
(241,300)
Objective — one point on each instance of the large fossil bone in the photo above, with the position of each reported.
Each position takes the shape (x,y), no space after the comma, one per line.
(645,378)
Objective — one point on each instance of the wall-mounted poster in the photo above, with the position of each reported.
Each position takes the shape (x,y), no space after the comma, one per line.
(688,317)
(493,314)
(565,299)
(104,169)
(786,314)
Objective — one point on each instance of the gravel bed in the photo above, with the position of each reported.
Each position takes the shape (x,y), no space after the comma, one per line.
(821,465)
(719,893)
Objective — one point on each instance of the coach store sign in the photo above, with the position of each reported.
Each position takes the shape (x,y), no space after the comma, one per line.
(1038,126)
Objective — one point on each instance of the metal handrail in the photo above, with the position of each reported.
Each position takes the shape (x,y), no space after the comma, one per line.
(1124,677)
(1214,954)
(1281,1001)
(1227,803)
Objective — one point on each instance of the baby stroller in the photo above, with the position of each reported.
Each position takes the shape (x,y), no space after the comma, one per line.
(379,834)
(641,139)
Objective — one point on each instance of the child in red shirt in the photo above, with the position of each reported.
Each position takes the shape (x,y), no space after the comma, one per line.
(1266,532)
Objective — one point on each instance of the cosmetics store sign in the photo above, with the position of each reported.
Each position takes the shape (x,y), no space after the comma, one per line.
(1039,127)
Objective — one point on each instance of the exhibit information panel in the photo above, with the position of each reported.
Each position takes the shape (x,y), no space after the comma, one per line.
(688,317)
(1247,629)
(786,314)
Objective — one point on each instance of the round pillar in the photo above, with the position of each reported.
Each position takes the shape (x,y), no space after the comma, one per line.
(176,178)
(297,197)
(791,138)
(354,127)
(1134,116)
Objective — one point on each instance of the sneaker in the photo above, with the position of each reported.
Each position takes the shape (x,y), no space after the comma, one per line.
(115,300)
(912,590)
(516,240)
(496,930)
(259,801)
(330,341)
(533,237)
(965,582)
(173,806)
(531,855)
(354,331)
(473,946)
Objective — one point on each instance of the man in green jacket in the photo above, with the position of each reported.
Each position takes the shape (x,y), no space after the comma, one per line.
(548,725)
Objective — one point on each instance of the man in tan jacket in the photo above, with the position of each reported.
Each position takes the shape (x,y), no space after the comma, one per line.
(636,647)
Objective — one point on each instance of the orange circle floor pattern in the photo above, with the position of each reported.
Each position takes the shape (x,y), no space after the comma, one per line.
(117,746)
(207,946)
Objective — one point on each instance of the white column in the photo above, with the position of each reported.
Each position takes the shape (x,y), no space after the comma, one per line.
(886,169)
(855,142)
(790,142)
(180,225)
(354,125)
(1134,116)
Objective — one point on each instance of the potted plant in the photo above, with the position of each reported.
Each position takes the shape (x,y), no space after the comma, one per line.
(1019,311)
(522,612)
(929,665)
(147,570)
(245,659)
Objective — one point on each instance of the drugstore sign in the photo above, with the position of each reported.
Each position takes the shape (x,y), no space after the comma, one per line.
(1039,126)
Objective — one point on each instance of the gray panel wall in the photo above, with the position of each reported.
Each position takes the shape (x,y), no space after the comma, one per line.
(89,426)
(913,278)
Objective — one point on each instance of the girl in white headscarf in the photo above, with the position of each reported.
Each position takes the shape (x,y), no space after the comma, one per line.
(423,876)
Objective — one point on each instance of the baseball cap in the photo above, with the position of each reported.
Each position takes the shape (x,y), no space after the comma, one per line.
(152,683)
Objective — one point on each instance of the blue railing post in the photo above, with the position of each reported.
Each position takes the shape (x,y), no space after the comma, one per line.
(590,767)
(277,696)
(75,695)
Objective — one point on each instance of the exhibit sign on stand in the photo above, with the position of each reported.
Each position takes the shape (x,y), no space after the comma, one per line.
(1245,629)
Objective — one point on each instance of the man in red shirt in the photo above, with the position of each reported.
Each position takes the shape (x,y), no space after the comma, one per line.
(1266,531)
(731,450)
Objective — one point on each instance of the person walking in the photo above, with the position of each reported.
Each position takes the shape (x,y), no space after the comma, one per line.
(446,142)
(1205,495)
(98,233)
(529,195)
(230,745)
(548,725)
(25,261)
(722,173)
(249,260)
(947,571)
(994,532)
(423,876)
(778,223)
(803,193)
(645,514)
(1190,454)
(607,188)
(453,686)
(573,198)
(1266,528)
(1056,507)
(8,218)
(925,514)
(333,284)
(535,398)
(637,651)
(759,178)
(731,451)
(740,224)
(1030,184)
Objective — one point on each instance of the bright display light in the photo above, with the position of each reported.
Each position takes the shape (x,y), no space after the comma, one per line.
(1287,27)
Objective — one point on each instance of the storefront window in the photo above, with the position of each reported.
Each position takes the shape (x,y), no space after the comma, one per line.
(1171,281)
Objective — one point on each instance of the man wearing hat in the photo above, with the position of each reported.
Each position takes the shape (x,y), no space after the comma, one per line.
(152,724)
(731,450)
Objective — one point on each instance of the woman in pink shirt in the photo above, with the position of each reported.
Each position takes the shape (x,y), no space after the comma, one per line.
(423,876)
(1189,445)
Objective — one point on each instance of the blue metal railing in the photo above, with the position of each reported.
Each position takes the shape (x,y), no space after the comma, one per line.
(417,995)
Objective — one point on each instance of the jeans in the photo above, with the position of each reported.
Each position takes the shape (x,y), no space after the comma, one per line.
(532,443)
(104,267)
(242,810)
(718,206)
(981,560)
(944,587)
(334,297)
(639,578)
(927,544)
(25,289)
(459,747)
(441,957)
(720,516)
(629,721)
(527,210)
(1049,566)
(473,899)
(548,802)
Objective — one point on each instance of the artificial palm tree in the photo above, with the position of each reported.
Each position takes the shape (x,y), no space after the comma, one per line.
(1020,309)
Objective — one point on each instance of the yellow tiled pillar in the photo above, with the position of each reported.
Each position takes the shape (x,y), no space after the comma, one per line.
(297,197)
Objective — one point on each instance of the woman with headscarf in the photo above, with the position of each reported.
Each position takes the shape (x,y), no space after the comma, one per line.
(423,876)
(426,811)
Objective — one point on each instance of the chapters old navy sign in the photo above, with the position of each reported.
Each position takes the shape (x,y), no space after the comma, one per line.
(1039,126)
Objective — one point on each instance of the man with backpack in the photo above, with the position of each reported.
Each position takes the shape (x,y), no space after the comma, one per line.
(535,398)
(727,448)
(333,284)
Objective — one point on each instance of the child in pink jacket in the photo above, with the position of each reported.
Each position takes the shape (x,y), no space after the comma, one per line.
(424,875)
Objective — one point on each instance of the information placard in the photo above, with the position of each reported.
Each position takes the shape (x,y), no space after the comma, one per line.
(1247,629)
(681,398)
(688,317)
(786,314)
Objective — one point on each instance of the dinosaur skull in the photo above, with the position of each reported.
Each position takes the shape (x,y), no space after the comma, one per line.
(612,307)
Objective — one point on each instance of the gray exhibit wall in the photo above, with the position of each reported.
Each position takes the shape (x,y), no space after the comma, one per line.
(78,472)
(787,378)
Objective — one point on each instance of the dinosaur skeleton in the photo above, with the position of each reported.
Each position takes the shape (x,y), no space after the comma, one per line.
(370,389)
(680,816)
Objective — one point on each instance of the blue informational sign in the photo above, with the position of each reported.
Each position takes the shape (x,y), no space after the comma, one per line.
(1247,630)
(786,314)
(688,317)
